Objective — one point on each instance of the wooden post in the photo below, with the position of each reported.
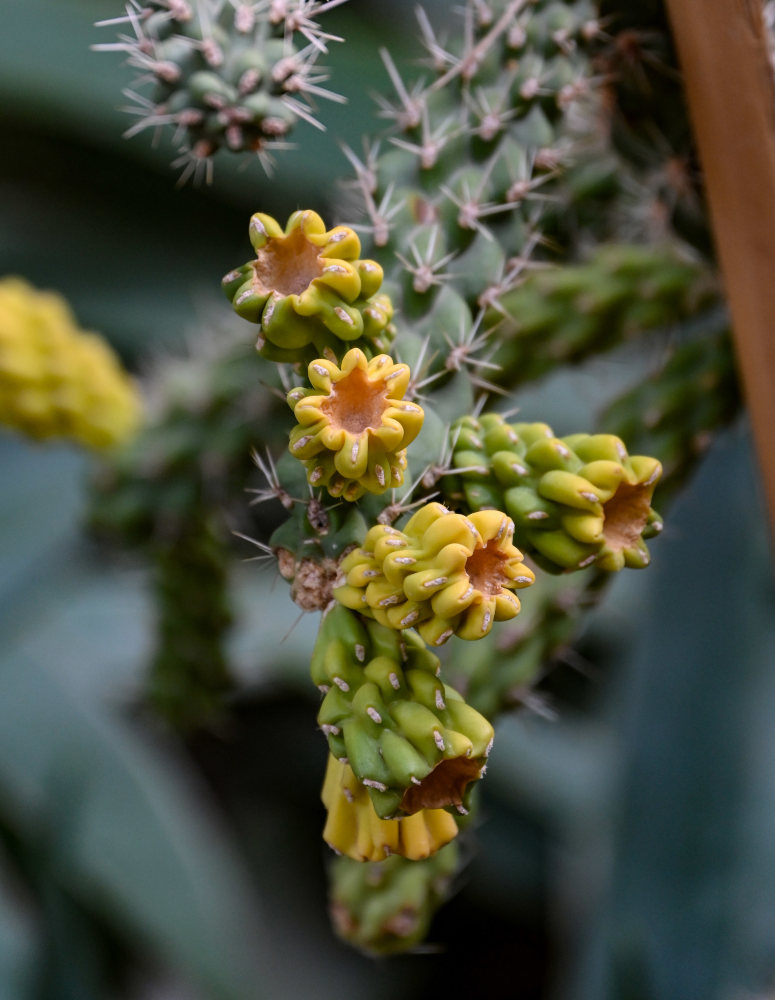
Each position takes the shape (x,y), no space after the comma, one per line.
(722,48)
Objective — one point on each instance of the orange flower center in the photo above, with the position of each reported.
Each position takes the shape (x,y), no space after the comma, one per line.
(485,569)
(356,404)
(625,516)
(287,265)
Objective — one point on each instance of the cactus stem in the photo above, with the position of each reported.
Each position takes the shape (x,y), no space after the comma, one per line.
(431,142)
(491,120)
(441,59)
(366,169)
(296,16)
(196,163)
(471,210)
(510,274)
(397,508)
(380,216)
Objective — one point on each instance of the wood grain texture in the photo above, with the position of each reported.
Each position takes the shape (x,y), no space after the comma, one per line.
(724,56)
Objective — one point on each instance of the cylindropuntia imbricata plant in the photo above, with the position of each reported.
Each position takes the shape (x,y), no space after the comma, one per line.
(413,507)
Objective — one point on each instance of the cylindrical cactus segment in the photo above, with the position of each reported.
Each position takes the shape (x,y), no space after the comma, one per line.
(575,501)
(354,424)
(353,827)
(444,574)
(224,74)
(565,314)
(386,907)
(308,290)
(411,741)
(57,381)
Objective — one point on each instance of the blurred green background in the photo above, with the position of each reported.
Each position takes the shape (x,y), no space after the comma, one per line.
(626,846)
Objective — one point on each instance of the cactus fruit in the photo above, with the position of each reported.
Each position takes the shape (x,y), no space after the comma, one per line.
(56,381)
(410,739)
(354,424)
(224,74)
(386,907)
(444,573)
(575,501)
(308,290)
(353,827)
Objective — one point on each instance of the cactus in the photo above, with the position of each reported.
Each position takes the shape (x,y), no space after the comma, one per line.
(56,381)
(223,75)
(170,492)
(676,412)
(452,201)
(565,315)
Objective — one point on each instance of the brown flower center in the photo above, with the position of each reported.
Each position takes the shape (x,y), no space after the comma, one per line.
(485,569)
(444,786)
(356,403)
(625,516)
(287,265)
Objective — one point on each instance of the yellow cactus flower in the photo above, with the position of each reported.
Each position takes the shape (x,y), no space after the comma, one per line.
(307,286)
(354,424)
(55,379)
(353,827)
(444,574)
